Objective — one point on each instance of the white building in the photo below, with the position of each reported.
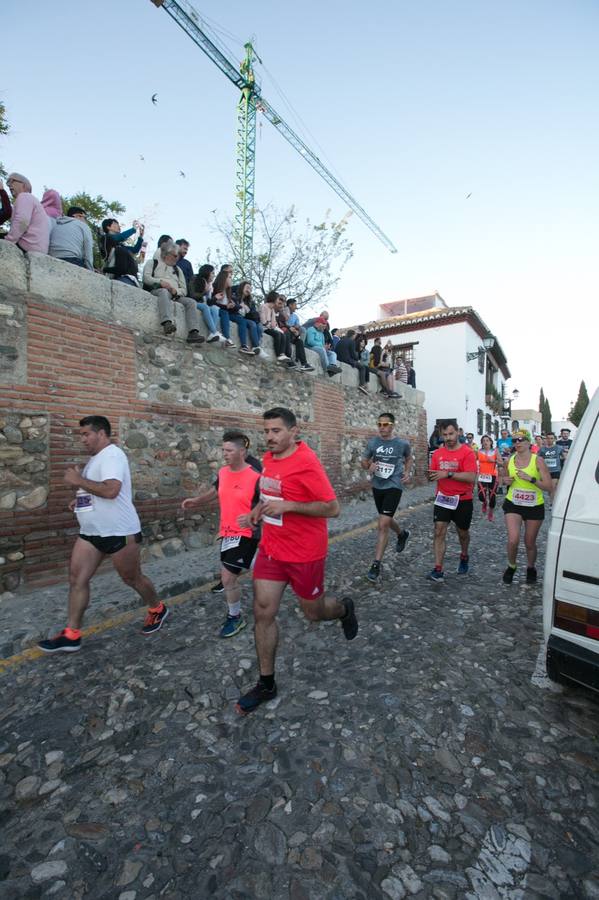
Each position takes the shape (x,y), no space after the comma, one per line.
(530,419)
(459,364)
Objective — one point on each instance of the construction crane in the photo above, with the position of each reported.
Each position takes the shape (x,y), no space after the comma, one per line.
(250,101)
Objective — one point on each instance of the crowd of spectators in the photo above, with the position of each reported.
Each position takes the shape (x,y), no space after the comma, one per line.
(205,295)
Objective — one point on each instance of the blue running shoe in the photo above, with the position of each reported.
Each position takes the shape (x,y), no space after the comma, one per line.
(463,566)
(436,575)
(232,626)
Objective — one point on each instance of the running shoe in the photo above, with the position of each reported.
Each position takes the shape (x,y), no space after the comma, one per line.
(232,626)
(194,337)
(256,351)
(363,389)
(213,336)
(218,588)
(531,575)
(436,575)
(349,623)
(228,343)
(154,620)
(245,349)
(247,703)
(282,357)
(463,566)
(393,395)
(61,644)
(402,540)
(374,571)
(508,575)
(307,368)
(169,327)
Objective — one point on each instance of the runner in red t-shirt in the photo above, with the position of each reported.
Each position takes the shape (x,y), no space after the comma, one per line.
(236,489)
(453,468)
(296,499)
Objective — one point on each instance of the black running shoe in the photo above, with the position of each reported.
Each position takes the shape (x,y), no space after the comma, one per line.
(60,644)
(508,575)
(154,620)
(402,540)
(531,575)
(349,623)
(218,588)
(247,703)
(374,571)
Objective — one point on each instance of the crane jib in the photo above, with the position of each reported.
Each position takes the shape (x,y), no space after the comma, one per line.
(243,79)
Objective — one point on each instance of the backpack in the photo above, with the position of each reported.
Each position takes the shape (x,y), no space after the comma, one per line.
(120,262)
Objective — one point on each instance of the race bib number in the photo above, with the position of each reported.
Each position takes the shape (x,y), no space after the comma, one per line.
(551,462)
(272,519)
(84,502)
(229,542)
(448,502)
(524,498)
(486,479)
(384,469)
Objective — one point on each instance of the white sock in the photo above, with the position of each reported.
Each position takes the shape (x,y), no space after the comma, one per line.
(234,608)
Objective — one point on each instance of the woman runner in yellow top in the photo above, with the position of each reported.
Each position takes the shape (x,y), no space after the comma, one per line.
(527,476)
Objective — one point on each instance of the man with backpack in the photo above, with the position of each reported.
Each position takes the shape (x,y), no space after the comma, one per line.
(166,281)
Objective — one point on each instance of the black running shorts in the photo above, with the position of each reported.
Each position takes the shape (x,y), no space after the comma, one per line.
(111,544)
(461,515)
(528,513)
(234,559)
(386,501)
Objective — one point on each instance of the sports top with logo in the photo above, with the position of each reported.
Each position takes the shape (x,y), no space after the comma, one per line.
(301,478)
(462,459)
(107,518)
(487,465)
(390,457)
(237,493)
(552,457)
(522,492)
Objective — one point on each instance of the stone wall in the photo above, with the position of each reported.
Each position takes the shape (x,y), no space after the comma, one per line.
(73,343)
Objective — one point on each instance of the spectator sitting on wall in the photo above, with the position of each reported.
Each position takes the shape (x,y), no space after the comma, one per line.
(334,338)
(382,370)
(201,291)
(166,281)
(5,204)
(184,264)
(119,258)
(163,239)
(411,373)
(281,339)
(222,295)
(52,203)
(245,320)
(323,315)
(71,239)
(347,353)
(288,320)
(315,340)
(29,225)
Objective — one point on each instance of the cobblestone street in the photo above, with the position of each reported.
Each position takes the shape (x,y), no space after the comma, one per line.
(424,759)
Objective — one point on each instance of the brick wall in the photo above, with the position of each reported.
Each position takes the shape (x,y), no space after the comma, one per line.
(79,345)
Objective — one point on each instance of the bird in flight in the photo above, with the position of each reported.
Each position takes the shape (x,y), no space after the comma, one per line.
(143,159)
(154,99)
(468,196)
(182,174)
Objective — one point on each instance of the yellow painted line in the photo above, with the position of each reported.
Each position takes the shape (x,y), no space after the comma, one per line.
(32,653)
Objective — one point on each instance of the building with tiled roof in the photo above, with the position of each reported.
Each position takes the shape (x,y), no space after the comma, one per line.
(459,363)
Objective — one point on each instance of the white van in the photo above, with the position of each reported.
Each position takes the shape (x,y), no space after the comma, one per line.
(571,584)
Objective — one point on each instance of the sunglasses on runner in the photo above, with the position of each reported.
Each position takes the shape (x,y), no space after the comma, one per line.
(521,440)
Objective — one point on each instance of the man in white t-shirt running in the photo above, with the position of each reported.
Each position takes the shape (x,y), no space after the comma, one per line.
(109,526)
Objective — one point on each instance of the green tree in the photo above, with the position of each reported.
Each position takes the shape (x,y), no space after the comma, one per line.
(541,401)
(97,209)
(4,129)
(582,401)
(545,416)
(299,260)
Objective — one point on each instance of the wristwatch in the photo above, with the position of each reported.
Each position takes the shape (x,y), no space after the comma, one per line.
(449,475)
(533,480)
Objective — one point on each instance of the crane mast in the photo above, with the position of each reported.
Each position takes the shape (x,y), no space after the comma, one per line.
(250,101)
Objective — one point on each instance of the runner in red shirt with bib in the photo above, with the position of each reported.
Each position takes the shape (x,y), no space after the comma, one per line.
(296,499)
(453,469)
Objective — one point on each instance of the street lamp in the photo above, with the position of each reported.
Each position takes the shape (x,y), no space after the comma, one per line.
(488,343)
(507,404)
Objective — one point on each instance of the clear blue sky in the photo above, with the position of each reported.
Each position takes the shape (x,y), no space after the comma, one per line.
(415,104)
